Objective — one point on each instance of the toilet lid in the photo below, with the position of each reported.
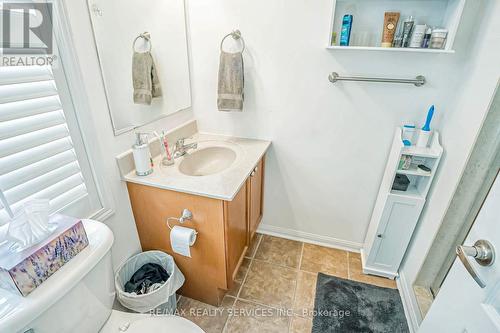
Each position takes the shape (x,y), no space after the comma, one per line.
(143,323)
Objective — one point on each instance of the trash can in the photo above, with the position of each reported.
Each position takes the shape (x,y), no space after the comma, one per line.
(164,297)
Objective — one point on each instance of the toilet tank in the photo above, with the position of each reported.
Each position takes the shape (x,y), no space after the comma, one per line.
(77,298)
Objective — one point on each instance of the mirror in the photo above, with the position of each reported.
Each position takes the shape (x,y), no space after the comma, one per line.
(116,24)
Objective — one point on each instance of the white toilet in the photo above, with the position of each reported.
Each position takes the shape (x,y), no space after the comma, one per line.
(78,298)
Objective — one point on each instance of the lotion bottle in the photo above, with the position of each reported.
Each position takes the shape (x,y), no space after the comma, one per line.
(142,155)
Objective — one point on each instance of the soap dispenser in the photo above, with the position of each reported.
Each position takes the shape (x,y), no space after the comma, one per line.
(142,155)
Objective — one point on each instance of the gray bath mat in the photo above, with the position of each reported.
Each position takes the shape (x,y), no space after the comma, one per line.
(344,306)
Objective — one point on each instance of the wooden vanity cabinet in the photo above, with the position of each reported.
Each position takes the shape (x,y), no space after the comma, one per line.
(224,228)
(255,184)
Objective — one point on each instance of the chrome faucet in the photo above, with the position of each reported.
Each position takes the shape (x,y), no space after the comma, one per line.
(181,149)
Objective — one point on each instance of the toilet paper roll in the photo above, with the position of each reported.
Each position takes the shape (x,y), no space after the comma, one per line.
(181,239)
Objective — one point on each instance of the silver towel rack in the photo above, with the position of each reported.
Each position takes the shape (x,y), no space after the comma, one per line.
(236,34)
(418,81)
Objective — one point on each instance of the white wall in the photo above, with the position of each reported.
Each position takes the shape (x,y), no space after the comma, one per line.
(329,141)
(471,103)
(122,222)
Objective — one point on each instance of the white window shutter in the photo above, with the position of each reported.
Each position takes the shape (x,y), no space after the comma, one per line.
(37,154)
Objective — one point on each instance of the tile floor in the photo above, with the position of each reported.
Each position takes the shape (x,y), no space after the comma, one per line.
(275,288)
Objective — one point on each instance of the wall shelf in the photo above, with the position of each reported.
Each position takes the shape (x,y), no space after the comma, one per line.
(368,22)
(388,49)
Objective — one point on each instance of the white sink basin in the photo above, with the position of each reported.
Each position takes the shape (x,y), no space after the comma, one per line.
(207,161)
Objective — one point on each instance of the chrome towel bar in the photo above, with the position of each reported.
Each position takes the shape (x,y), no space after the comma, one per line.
(418,81)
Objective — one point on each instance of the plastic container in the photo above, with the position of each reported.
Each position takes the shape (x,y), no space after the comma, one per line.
(423,138)
(438,39)
(164,297)
(408,134)
(401,183)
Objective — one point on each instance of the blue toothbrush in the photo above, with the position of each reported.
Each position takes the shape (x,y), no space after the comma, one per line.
(427,126)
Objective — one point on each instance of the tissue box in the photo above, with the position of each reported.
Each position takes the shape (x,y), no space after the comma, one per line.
(23,271)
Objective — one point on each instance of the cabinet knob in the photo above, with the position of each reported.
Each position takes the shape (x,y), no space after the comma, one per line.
(379,235)
(252,174)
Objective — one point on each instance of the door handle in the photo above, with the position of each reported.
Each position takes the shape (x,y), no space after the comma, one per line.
(484,254)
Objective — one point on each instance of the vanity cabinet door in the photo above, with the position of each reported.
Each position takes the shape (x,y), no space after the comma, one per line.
(255,198)
(236,232)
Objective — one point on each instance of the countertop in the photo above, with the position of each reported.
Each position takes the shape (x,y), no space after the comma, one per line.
(224,185)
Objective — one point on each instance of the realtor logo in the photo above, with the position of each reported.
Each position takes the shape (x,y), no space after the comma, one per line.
(26,28)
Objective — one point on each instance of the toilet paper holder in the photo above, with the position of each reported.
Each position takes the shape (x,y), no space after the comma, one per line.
(187,215)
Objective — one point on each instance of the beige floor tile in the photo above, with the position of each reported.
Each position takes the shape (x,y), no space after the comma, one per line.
(424,299)
(301,325)
(303,304)
(323,259)
(269,284)
(210,318)
(228,302)
(279,251)
(242,272)
(253,246)
(356,273)
(253,318)
(235,289)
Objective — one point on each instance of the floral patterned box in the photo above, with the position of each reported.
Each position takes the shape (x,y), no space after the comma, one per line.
(23,271)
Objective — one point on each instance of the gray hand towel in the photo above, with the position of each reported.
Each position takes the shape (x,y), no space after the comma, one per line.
(145,78)
(231,82)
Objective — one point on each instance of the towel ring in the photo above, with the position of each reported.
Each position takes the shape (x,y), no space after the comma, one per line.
(147,37)
(236,34)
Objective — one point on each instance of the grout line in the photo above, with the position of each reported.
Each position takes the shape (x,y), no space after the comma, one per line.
(257,245)
(277,265)
(237,297)
(301,256)
(296,286)
(274,307)
(244,279)
(348,267)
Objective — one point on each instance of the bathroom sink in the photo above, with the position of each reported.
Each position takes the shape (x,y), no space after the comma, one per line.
(207,161)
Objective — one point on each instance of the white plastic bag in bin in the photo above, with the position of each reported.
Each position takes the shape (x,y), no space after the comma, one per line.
(164,294)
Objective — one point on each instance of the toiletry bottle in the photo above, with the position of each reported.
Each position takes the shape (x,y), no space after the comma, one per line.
(390,24)
(407,30)
(334,39)
(142,155)
(417,38)
(427,38)
(398,38)
(438,38)
(345,33)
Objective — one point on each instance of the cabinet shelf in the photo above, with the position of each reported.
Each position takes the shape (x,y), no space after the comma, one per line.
(411,192)
(414,171)
(431,152)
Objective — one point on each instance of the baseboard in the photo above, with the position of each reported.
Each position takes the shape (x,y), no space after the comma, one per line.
(307,237)
(409,303)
